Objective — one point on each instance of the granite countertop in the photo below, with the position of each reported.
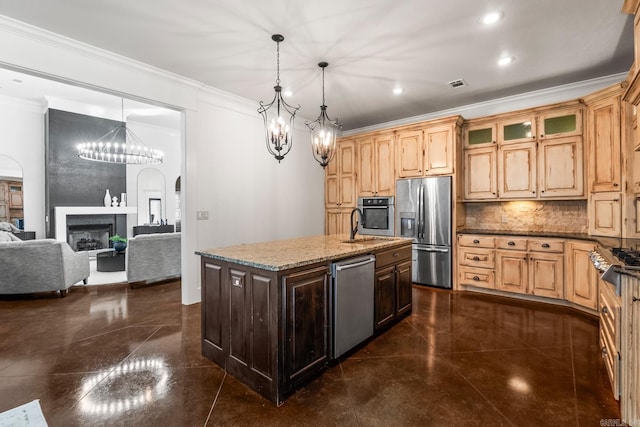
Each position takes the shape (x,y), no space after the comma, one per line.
(280,255)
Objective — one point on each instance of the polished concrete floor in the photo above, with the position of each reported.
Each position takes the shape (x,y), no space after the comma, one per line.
(113,356)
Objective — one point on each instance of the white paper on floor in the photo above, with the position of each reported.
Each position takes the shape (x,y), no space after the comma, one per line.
(27,415)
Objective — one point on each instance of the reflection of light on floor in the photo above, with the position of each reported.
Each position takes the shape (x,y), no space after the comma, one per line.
(154,366)
(113,309)
(520,385)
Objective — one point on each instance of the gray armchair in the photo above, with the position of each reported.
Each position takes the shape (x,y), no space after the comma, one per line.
(40,266)
(153,257)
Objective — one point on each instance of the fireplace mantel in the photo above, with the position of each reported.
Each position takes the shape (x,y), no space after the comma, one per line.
(63,211)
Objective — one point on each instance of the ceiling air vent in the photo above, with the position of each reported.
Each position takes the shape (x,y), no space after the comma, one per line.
(457,83)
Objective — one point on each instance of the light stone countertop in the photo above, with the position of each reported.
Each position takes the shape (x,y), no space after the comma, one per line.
(280,255)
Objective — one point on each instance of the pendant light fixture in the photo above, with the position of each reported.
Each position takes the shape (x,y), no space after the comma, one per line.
(121,146)
(278,129)
(323,131)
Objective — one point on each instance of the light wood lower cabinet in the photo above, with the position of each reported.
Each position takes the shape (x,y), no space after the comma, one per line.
(581,277)
(609,307)
(512,271)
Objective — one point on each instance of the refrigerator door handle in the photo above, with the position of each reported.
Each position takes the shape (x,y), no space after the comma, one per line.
(421,212)
(431,249)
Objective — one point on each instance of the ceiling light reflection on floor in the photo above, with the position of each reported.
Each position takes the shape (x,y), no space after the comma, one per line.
(153,366)
(519,385)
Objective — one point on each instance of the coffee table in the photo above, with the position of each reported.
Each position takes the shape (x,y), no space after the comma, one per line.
(110,261)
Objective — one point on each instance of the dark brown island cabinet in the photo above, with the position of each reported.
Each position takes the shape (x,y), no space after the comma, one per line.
(268,323)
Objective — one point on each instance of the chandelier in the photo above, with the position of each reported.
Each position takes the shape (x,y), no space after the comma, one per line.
(121,146)
(278,130)
(323,131)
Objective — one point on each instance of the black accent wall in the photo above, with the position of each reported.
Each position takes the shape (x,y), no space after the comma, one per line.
(71,181)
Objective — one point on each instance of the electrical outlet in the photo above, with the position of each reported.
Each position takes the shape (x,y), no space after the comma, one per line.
(202,215)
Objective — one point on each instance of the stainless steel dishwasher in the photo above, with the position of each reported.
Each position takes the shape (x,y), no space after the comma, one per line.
(352,288)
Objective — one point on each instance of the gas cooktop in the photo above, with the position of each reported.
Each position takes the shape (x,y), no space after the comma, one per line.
(627,256)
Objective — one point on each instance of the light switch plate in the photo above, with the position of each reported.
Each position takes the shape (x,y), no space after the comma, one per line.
(202,215)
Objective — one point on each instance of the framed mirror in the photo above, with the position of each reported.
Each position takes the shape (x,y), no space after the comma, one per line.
(155,210)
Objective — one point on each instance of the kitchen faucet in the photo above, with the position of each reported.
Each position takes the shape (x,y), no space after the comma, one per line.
(354,229)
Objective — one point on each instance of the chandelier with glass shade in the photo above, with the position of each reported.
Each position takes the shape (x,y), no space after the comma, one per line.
(120,146)
(278,127)
(323,131)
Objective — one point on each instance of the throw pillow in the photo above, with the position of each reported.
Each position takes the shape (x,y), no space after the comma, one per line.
(7,226)
(8,237)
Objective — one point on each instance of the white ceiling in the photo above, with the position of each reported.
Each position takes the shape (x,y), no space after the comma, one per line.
(371,46)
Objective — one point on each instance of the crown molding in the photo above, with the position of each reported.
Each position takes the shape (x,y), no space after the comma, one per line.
(21,104)
(506,104)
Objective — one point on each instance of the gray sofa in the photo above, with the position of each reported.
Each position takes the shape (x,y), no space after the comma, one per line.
(40,266)
(153,257)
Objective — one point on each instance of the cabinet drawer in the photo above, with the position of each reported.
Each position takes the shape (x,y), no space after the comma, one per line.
(516,243)
(475,240)
(481,277)
(392,256)
(546,245)
(610,314)
(476,257)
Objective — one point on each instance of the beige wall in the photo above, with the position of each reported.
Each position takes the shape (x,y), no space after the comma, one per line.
(549,216)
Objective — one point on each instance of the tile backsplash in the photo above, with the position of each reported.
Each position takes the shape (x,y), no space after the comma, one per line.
(551,216)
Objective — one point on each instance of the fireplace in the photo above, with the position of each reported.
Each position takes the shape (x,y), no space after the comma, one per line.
(92,232)
(89,237)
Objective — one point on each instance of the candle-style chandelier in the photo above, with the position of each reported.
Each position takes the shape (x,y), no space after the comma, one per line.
(121,146)
(278,129)
(323,131)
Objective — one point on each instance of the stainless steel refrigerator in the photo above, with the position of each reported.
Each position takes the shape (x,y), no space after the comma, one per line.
(423,212)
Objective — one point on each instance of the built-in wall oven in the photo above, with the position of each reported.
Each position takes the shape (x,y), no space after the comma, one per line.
(377,216)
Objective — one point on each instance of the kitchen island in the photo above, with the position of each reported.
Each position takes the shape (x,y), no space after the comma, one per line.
(266,307)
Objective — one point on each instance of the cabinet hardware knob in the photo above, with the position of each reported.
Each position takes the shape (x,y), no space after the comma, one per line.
(615,200)
(476,278)
(545,245)
(542,191)
(605,310)
(396,255)
(475,258)
(511,243)
(615,184)
(541,136)
(533,192)
(635,299)
(476,241)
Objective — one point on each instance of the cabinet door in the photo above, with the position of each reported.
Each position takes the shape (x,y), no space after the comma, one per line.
(512,272)
(15,200)
(479,135)
(560,168)
(403,288)
(347,174)
(331,181)
(581,278)
(214,320)
(332,224)
(517,171)
(366,167)
(409,153)
(439,150)
(605,210)
(4,202)
(604,145)
(385,296)
(385,181)
(306,323)
(480,174)
(517,129)
(560,123)
(546,275)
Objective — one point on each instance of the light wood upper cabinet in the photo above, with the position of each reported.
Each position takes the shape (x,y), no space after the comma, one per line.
(605,211)
(340,176)
(517,171)
(478,135)
(337,221)
(517,129)
(604,145)
(376,165)
(560,123)
(426,152)
(438,151)
(560,167)
(581,277)
(480,174)
(410,153)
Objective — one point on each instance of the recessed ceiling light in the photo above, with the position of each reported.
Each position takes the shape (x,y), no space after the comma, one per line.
(491,18)
(505,60)
(397,90)
(287,93)
(16,80)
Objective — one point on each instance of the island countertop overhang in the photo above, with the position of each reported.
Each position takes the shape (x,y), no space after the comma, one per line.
(281,255)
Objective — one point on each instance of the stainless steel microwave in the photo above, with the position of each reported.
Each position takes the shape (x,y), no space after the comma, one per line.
(377,216)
